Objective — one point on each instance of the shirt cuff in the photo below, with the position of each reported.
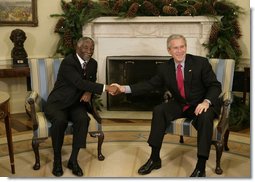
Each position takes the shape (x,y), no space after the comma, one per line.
(127,89)
(207,100)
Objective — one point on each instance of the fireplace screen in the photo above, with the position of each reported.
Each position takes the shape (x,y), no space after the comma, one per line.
(127,70)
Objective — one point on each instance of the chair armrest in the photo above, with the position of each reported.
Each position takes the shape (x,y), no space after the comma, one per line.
(223,124)
(167,96)
(2,114)
(227,97)
(31,107)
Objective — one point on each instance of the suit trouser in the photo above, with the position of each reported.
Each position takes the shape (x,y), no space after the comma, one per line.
(164,113)
(59,118)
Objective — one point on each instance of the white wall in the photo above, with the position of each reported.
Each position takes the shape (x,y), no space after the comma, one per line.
(245,24)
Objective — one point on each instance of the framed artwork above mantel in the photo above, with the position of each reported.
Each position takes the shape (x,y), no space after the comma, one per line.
(18,13)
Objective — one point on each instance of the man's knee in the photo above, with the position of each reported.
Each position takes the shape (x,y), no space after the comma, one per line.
(157,109)
(81,121)
(206,118)
(209,114)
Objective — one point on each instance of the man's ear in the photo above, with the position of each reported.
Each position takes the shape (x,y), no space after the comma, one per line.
(168,50)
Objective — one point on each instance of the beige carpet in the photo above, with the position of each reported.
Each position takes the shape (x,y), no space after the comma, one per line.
(125,152)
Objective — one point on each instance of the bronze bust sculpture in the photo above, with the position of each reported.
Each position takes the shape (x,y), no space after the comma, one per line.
(18,53)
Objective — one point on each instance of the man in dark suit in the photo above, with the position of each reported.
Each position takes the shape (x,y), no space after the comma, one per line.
(67,102)
(195,92)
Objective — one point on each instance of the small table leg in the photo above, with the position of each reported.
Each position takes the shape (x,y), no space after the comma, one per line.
(9,136)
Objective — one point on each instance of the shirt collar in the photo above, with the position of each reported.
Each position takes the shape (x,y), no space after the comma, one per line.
(182,63)
(81,60)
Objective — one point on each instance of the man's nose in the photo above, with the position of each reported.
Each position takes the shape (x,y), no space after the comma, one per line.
(179,49)
(90,51)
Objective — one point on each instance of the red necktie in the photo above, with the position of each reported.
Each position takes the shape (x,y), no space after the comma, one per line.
(180,83)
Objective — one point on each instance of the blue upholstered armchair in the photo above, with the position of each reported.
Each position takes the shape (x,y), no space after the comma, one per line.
(224,70)
(43,73)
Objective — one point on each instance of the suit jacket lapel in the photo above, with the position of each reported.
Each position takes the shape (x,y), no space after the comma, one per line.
(77,62)
(187,76)
(173,81)
(172,76)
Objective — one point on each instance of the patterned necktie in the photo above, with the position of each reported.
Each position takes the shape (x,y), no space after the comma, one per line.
(180,83)
(84,65)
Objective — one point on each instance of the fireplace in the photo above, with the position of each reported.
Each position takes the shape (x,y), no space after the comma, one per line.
(127,70)
(142,36)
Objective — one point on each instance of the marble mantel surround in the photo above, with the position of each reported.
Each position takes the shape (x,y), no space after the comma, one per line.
(140,36)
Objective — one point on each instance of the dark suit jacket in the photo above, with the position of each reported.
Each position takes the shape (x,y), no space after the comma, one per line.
(200,82)
(71,83)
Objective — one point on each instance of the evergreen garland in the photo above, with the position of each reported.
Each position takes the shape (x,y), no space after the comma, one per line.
(224,36)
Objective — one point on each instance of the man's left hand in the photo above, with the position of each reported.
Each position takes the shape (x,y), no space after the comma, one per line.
(202,107)
(85,97)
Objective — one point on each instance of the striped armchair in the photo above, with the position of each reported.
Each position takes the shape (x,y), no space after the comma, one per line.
(224,70)
(43,73)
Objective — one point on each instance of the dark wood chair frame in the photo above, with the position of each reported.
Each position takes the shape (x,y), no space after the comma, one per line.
(31,100)
(222,128)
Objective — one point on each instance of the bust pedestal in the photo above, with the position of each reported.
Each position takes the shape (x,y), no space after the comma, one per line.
(20,62)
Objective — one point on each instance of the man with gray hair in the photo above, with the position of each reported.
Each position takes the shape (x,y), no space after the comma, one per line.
(75,83)
(195,91)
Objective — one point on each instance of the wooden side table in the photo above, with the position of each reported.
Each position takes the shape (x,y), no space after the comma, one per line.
(8,71)
(5,114)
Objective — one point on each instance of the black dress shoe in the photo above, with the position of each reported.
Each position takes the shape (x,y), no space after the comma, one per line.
(74,166)
(198,173)
(149,166)
(57,169)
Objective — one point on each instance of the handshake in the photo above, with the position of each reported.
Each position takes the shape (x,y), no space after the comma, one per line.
(115,89)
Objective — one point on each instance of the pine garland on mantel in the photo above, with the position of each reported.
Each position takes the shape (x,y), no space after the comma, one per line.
(222,43)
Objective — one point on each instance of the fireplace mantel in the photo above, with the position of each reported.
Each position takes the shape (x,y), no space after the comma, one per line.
(154,19)
(144,35)
(145,26)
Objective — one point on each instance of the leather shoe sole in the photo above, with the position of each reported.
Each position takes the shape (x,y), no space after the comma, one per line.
(74,166)
(197,173)
(149,166)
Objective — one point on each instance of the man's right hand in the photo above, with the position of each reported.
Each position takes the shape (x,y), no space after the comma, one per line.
(115,89)
(112,89)
(121,89)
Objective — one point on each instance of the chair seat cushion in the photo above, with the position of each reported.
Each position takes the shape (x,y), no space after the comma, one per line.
(43,130)
(184,127)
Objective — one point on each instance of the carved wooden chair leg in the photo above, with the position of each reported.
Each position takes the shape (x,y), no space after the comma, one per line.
(226,140)
(35,146)
(219,150)
(100,137)
(181,139)
(99,146)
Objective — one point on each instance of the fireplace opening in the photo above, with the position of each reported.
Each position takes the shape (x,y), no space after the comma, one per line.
(127,70)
